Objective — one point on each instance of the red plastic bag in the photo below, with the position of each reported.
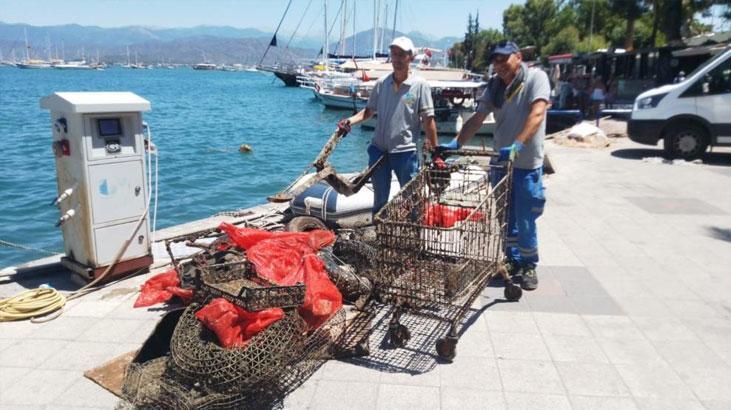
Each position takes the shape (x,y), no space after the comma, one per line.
(186,295)
(233,325)
(161,288)
(287,258)
(279,260)
(277,256)
(322,297)
(442,216)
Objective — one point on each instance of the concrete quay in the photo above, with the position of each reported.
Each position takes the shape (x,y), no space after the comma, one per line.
(632,312)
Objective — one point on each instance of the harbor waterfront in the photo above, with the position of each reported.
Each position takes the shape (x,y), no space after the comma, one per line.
(198,121)
(632,312)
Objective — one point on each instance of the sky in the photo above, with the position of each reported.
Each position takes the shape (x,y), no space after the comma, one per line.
(438,18)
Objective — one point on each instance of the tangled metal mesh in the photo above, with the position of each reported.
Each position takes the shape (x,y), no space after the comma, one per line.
(147,385)
(157,382)
(351,285)
(197,358)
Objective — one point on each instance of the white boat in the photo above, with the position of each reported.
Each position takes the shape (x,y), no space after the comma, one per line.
(204,66)
(330,99)
(73,65)
(33,64)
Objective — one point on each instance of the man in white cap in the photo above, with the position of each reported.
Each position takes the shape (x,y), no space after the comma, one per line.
(404,104)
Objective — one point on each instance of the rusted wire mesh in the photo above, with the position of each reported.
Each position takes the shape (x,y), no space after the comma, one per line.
(350,284)
(156,382)
(147,385)
(441,233)
(196,357)
(236,282)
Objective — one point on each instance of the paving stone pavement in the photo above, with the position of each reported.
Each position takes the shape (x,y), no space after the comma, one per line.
(632,311)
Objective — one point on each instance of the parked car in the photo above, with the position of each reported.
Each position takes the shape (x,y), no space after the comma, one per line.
(688,116)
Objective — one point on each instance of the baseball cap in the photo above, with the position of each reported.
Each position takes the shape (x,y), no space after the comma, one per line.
(504,47)
(403,43)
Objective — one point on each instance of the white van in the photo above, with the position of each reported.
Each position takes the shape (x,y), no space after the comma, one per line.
(690,115)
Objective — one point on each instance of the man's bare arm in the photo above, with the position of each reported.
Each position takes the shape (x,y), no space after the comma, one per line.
(361,116)
(430,129)
(470,128)
(534,120)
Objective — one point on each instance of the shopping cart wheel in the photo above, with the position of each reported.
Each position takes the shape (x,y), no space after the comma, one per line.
(447,348)
(513,292)
(398,335)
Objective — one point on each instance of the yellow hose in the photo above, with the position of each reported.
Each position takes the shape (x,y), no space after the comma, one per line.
(31,303)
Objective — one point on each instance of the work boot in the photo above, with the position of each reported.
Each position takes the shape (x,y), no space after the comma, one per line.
(530,277)
(514,270)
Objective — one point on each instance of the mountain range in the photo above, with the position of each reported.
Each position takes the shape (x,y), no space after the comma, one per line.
(214,44)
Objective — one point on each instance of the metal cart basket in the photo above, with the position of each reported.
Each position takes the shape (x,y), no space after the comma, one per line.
(441,240)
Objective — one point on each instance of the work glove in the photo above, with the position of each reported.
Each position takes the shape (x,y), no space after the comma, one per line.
(344,126)
(510,152)
(450,146)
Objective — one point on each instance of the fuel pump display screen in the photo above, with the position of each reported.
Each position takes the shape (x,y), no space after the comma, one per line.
(109,127)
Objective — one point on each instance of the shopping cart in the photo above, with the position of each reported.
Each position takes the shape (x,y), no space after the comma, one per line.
(441,240)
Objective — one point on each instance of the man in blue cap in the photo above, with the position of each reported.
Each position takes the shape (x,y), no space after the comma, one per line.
(404,104)
(518,96)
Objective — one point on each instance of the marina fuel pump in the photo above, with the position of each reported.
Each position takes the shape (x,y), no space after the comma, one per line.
(101,157)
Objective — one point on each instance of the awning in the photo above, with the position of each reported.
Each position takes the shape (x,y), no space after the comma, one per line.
(702,50)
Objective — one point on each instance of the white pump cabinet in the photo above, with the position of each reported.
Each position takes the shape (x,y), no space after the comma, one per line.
(99,146)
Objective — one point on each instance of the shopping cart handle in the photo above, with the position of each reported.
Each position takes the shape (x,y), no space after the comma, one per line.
(468,153)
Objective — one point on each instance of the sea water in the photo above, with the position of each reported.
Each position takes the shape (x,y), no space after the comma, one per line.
(198,121)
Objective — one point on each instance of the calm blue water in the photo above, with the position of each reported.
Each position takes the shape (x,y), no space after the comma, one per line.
(198,121)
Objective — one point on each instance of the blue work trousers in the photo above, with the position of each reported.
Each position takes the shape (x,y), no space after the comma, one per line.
(403,164)
(526,205)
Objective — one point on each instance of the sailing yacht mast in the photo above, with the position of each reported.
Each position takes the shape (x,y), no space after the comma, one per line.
(375,27)
(343,22)
(327,41)
(27,47)
(383,26)
(395,13)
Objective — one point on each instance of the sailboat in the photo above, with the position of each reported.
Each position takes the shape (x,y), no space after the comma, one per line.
(287,72)
(80,64)
(30,63)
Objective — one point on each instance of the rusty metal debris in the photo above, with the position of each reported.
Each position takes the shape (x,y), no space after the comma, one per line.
(325,171)
(182,366)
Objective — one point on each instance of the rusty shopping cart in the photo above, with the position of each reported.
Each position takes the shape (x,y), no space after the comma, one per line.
(441,240)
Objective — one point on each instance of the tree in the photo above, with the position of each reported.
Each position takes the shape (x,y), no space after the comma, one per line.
(514,26)
(672,14)
(631,10)
(566,41)
(485,40)
(470,38)
(530,24)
